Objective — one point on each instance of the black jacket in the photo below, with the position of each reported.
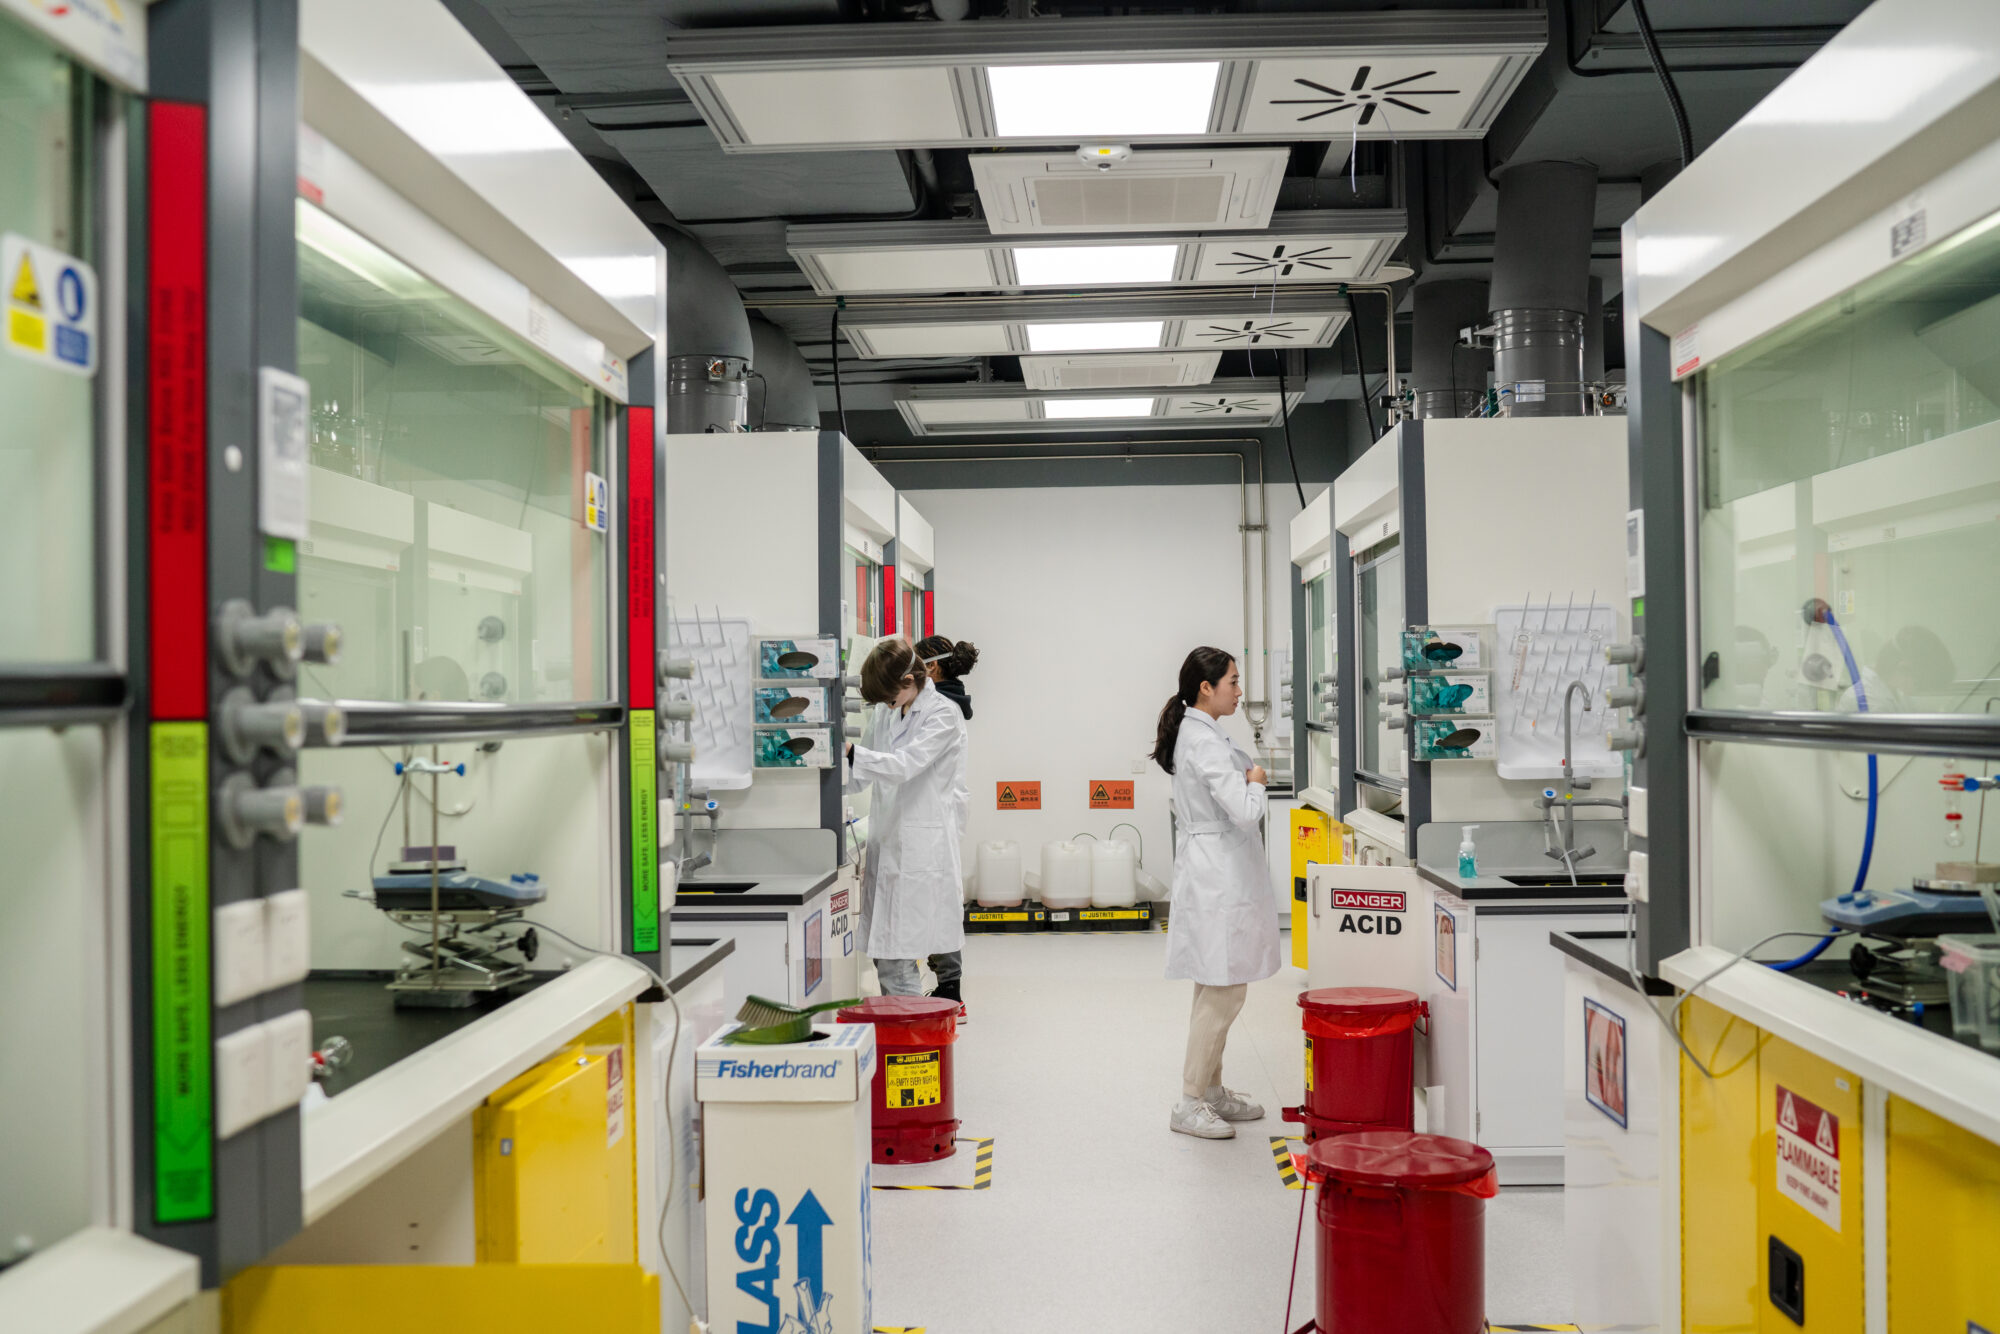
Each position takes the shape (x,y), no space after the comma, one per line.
(955,692)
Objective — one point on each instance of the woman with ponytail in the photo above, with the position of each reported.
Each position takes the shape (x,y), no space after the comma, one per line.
(1222,933)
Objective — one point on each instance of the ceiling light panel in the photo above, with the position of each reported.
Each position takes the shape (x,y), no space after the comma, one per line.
(965,269)
(928,340)
(1436,75)
(1094,265)
(808,108)
(1303,246)
(1095,409)
(1022,409)
(1095,335)
(1120,371)
(1106,323)
(968,412)
(1060,102)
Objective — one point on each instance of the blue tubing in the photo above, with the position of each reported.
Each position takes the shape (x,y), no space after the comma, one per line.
(1867,838)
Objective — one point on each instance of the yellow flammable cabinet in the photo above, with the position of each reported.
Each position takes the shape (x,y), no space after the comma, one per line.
(1315,841)
(553,1157)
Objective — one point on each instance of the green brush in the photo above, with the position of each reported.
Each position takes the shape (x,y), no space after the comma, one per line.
(769,1022)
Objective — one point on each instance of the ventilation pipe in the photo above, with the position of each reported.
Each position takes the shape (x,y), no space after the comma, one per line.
(783,397)
(1541,287)
(1447,378)
(708,343)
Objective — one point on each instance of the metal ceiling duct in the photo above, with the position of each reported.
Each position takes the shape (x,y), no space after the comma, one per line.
(1541,287)
(784,399)
(1447,378)
(709,348)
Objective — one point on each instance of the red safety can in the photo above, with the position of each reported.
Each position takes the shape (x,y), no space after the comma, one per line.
(1360,1060)
(914,1036)
(1402,1233)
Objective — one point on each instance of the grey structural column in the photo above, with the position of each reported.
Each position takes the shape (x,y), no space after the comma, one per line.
(832,446)
(1416,611)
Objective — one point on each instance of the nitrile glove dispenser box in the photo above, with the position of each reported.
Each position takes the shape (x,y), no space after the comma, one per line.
(785,1144)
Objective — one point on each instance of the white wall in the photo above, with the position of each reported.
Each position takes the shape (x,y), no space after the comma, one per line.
(1083,602)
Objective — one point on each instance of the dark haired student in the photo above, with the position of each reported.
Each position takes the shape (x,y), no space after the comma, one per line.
(947,662)
(1222,933)
(912,753)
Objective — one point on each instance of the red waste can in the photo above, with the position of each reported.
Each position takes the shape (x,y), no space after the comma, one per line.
(913,1099)
(1402,1233)
(1360,1060)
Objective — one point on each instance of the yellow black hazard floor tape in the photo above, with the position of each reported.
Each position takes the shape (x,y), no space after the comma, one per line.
(1281,1158)
(982,1168)
(899,1329)
(1508,1329)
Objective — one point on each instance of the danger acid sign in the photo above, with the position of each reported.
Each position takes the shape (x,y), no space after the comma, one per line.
(1370,900)
(51,306)
(1019,795)
(1110,795)
(1808,1154)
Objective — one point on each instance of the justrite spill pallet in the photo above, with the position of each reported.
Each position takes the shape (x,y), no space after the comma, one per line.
(1029,916)
(1137,918)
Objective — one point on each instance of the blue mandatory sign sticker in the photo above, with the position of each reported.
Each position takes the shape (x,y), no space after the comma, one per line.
(50,306)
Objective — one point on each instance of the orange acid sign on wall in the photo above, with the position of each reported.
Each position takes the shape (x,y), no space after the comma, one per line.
(1109,795)
(1018,796)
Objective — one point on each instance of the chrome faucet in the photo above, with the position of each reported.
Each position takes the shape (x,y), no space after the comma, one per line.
(1565,828)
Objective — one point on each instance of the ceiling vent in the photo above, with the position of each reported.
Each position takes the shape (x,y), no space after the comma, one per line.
(1160,370)
(1259,406)
(1146,323)
(1035,192)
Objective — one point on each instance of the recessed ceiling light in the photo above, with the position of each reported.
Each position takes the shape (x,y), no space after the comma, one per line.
(1100,336)
(1094,265)
(1067,102)
(1069,409)
(467,118)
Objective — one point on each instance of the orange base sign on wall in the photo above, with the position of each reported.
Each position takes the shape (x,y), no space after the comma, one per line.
(1018,796)
(1106,795)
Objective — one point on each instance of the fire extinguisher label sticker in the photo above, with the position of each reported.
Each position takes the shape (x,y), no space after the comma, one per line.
(1309,1063)
(913,1079)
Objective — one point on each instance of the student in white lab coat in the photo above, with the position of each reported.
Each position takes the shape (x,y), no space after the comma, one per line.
(1222,933)
(913,752)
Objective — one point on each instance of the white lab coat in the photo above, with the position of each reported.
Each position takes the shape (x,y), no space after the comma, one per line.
(912,893)
(1224,925)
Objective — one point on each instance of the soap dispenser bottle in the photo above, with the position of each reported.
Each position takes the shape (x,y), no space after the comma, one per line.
(1468,856)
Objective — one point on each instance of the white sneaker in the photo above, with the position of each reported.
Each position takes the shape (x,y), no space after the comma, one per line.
(1233,1106)
(1194,1117)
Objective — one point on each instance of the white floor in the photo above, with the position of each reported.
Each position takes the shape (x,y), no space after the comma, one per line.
(1100,1218)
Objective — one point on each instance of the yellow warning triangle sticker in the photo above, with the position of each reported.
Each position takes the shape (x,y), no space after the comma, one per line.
(1100,794)
(1006,794)
(26,291)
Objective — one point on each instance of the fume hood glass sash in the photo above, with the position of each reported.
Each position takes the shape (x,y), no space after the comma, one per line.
(458,532)
(1848,516)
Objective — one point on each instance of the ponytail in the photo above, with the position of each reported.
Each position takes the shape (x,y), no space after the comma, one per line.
(1169,733)
(1202,665)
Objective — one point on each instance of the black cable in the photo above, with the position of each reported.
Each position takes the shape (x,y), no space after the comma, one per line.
(1361,373)
(1285,416)
(1666,81)
(839,405)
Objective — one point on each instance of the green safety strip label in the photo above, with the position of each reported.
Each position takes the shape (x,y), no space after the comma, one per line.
(645,835)
(183,1119)
(281,555)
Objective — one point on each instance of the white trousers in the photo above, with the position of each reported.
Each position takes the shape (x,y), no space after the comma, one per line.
(1215,1009)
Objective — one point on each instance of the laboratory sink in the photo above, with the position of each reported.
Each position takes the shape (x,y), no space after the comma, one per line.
(1560,879)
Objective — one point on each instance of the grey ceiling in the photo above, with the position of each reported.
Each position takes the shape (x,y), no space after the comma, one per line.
(599,68)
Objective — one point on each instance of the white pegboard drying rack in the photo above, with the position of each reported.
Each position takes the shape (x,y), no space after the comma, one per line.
(1540,647)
